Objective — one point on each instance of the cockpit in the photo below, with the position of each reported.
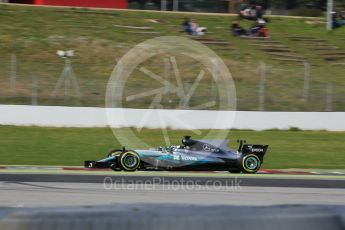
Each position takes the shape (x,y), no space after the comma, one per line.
(197,145)
(204,146)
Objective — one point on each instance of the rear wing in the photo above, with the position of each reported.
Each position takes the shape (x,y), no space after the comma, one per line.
(258,150)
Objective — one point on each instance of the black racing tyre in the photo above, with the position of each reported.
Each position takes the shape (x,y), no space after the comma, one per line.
(235,170)
(115,168)
(129,161)
(251,163)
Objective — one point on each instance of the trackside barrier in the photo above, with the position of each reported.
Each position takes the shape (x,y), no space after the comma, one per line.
(58,116)
(149,216)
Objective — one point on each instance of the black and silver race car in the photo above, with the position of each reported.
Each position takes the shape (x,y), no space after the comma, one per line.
(196,155)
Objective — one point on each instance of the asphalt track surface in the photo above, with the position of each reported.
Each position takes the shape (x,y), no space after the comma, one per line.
(48,190)
(203,180)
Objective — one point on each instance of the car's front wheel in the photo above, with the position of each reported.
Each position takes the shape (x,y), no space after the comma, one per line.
(251,163)
(129,161)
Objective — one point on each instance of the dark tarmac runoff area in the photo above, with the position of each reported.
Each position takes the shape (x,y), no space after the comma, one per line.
(164,201)
(44,190)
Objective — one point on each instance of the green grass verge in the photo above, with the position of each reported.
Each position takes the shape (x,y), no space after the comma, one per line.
(71,146)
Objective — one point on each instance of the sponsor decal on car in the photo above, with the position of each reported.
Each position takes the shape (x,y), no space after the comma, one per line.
(184,158)
(256,150)
(208,148)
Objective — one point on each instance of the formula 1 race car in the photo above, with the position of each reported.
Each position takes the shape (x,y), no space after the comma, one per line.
(196,155)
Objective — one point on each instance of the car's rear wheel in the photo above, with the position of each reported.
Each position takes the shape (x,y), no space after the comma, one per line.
(129,161)
(251,163)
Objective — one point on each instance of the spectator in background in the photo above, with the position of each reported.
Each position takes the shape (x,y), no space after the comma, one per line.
(252,13)
(186,26)
(247,13)
(194,27)
(196,30)
(262,32)
(337,23)
(237,30)
(254,29)
(258,29)
(241,5)
(259,12)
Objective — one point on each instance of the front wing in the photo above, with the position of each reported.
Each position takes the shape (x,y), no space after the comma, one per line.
(96,164)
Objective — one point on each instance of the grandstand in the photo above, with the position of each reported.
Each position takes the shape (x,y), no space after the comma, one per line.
(299,49)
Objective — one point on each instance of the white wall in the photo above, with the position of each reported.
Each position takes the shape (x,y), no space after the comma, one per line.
(178,119)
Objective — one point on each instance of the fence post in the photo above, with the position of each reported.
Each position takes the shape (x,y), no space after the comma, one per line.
(306,81)
(13,72)
(214,90)
(167,77)
(262,86)
(167,73)
(186,87)
(163,5)
(329,97)
(34,86)
(215,78)
(232,6)
(175,5)
(329,15)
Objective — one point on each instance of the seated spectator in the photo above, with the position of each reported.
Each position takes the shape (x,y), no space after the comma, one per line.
(262,31)
(254,29)
(237,30)
(194,26)
(241,5)
(253,13)
(186,26)
(259,12)
(248,13)
(337,23)
(196,30)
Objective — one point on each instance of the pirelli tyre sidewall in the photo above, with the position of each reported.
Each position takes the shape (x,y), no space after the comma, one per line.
(251,163)
(129,161)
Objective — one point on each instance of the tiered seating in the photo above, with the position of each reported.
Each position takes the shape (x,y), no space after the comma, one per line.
(276,50)
(142,30)
(323,48)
